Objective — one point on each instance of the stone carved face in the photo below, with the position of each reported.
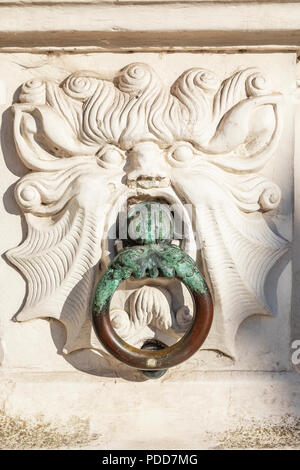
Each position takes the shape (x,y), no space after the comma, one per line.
(94,144)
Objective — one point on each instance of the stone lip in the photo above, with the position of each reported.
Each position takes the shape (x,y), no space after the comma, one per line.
(111,25)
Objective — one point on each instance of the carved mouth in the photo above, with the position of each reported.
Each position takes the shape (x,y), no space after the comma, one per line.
(131,201)
(127,199)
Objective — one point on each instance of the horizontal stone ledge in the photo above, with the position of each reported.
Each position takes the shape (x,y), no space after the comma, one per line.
(141,41)
(130,24)
(117,2)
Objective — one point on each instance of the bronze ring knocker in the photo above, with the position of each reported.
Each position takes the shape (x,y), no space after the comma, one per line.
(152,255)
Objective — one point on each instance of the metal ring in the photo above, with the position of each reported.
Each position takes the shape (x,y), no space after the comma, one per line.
(152,261)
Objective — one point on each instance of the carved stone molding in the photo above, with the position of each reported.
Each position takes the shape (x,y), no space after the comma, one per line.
(91,144)
(110,25)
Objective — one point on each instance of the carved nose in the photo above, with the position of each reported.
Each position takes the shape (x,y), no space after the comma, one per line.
(146,167)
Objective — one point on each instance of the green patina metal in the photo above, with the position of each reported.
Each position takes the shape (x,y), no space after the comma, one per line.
(150,223)
(152,256)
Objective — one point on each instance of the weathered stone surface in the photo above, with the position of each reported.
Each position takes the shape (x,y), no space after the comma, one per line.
(223,401)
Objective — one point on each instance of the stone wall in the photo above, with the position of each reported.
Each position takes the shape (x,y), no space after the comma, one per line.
(242,388)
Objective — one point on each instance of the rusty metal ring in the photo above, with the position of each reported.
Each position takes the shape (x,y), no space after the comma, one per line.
(152,261)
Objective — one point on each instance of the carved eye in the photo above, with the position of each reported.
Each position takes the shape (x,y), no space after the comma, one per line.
(110,157)
(181,154)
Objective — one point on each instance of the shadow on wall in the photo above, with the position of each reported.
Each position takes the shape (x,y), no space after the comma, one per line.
(17,168)
(13,163)
(91,361)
